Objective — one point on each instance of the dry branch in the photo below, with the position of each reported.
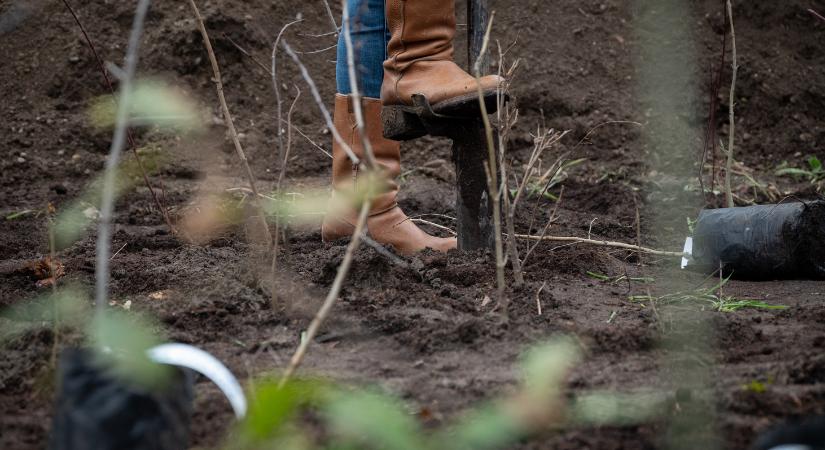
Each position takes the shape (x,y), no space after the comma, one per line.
(107,203)
(102,67)
(331,298)
(491,165)
(250,176)
(317,97)
(734,67)
(599,243)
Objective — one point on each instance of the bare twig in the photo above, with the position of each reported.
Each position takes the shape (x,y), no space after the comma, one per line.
(288,140)
(275,248)
(107,203)
(816,14)
(538,297)
(331,298)
(273,73)
(303,135)
(53,275)
(434,225)
(102,67)
(249,55)
(355,94)
(599,243)
(118,251)
(250,176)
(550,221)
(317,97)
(490,166)
(734,67)
(709,146)
(332,17)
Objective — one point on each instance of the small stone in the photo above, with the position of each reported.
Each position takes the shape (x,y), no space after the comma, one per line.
(91,213)
(61,152)
(128,305)
(21,160)
(74,59)
(76,157)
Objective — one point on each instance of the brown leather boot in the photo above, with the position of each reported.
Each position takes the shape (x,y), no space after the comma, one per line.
(386,224)
(420,59)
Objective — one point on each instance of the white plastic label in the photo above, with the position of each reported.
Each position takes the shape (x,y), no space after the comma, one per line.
(688,251)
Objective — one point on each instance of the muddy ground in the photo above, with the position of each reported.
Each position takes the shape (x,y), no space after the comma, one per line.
(423,332)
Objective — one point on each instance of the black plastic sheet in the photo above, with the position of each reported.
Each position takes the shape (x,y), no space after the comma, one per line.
(97,410)
(764,242)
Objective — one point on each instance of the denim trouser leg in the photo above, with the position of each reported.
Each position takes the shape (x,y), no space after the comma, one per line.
(369,41)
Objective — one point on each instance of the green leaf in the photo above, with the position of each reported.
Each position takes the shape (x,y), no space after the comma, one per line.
(272,408)
(152,103)
(121,340)
(374,421)
(815,164)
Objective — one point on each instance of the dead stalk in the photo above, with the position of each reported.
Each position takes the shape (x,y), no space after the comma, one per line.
(331,298)
(273,73)
(358,233)
(275,248)
(332,17)
(107,203)
(490,167)
(734,67)
(102,67)
(250,176)
(599,243)
(53,275)
(550,221)
(817,15)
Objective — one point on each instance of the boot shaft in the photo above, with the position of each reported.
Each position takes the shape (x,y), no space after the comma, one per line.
(419,30)
(387,153)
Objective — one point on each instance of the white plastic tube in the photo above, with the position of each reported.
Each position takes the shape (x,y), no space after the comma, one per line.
(182,355)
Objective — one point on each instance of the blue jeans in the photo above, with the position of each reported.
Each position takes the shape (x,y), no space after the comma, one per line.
(370,36)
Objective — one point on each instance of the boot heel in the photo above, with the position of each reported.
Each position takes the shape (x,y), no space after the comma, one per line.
(400,124)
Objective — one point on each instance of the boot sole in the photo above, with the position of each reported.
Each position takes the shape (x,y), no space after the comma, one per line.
(404,123)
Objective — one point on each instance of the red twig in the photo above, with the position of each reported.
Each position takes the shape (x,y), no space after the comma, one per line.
(710,132)
(132,145)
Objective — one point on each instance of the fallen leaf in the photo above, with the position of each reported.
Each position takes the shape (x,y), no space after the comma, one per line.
(44,270)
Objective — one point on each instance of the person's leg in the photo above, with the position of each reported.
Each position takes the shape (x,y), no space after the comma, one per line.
(369,37)
(386,224)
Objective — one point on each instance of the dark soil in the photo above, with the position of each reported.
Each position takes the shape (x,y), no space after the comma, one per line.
(422,332)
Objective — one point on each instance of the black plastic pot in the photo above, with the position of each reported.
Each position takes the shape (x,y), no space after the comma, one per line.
(98,411)
(808,434)
(765,242)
